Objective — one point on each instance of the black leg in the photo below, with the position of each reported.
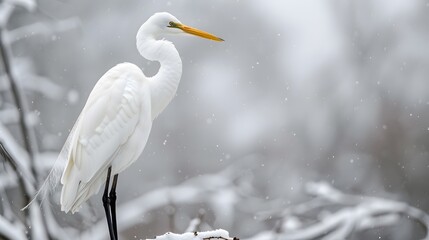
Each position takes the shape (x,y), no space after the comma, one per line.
(106,205)
(112,197)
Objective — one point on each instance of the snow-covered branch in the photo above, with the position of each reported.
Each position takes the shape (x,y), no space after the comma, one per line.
(218,234)
(33,223)
(41,28)
(19,99)
(368,212)
(356,213)
(43,85)
(30,5)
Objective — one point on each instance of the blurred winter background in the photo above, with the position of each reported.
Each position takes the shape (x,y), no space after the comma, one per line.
(332,92)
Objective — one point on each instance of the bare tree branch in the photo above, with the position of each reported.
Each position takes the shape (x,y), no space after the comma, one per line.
(28,134)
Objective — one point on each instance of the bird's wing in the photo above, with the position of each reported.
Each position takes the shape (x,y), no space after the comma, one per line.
(107,121)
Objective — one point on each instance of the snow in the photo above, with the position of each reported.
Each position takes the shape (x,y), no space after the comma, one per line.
(290,90)
(215,234)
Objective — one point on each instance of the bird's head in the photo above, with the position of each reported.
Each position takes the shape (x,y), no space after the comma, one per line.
(163,23)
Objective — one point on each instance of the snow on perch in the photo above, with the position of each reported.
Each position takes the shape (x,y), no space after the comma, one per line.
(208,235)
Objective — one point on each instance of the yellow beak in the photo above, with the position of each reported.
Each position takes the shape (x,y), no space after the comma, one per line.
(196,32)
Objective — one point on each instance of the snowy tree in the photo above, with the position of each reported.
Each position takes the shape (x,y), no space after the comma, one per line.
(310,122)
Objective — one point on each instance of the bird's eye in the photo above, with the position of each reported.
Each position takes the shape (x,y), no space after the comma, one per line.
(171,24)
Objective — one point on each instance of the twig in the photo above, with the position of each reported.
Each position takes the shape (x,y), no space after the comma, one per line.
(171,212)
(28,135)
(6,155)
(14,152)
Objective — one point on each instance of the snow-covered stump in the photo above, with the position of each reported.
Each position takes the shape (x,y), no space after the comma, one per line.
(218,234)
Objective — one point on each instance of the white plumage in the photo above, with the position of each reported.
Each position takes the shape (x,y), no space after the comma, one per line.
(112,130)
(114,125)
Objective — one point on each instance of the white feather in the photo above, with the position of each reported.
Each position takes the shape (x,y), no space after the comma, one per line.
(111,125)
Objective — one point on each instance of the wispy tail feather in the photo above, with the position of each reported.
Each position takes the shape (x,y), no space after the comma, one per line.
(51,182)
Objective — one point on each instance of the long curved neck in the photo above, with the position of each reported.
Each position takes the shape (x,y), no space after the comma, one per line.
(164,84)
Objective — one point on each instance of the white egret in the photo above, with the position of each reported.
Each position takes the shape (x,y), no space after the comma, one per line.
(113,127)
